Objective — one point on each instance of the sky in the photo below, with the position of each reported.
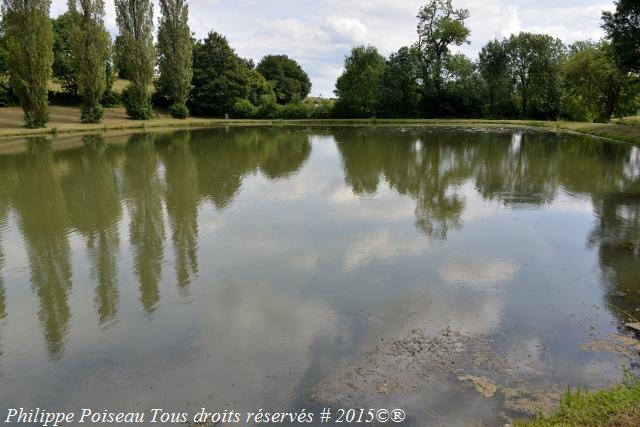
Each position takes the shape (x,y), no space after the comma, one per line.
(320,33)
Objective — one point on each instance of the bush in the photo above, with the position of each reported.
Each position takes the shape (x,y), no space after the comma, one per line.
(244,109)
(179,111)
(268,108)
(135,111)
(294,111)
(91,115)
(322,111)
(110,99)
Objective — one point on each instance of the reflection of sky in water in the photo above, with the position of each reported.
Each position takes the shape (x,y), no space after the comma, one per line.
(239,267)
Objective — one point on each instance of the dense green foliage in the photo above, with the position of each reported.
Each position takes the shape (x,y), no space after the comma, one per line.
(220,77)
(534,64)
(90,44)
(359,87)
(6,94)
(63,67)
(138,54)
(595,88)
(623,30)
(290,81)
(400,92)
(175,56)
(525,75)
(493,65)
(439,27)
(29,41)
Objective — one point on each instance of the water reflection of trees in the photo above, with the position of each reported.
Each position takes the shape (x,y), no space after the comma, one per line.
(93,201)
(225,157)
(144,193)
(515,169)
(44,221)
(87,190)
(182,198)
(426,167)
(617,238)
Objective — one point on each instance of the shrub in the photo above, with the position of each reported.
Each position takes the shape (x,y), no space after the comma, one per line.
(268,108)
(294,111)
(92,114)
(110,99)
(134,108)
(322,111)
(179,110)
(244,109)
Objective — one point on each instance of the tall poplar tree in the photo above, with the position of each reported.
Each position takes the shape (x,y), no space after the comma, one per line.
(90,45)
(29,41)
(175,51)
(135,22)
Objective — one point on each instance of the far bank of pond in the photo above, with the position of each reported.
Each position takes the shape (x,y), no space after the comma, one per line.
(65,120)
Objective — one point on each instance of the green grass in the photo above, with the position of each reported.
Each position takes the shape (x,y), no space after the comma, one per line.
(615,407)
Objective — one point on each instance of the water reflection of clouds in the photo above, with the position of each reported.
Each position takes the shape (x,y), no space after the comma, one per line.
(385,206)
(381,245)
(478,272)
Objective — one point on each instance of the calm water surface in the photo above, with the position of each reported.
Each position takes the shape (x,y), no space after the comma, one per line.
(285,268)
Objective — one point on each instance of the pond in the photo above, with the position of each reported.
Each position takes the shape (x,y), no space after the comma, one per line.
(465,276)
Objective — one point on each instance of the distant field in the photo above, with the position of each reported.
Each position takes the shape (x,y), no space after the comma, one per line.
(118,85)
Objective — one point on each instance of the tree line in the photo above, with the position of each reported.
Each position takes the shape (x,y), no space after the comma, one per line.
(204,76)
(522,76)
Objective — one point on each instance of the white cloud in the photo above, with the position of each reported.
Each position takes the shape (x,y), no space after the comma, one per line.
(345,30)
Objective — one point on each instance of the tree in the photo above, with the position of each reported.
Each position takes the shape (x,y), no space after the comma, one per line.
(463,87)
(493,65)
(258,88)
(3,48)
(220,78)
(118,57)
(289,80)
(6,94)
(175,55)
(534,66)
(63,67)
(594,87)
(400,95)
(359,86)
(138,55)
(29,41)
(623,30)
(90,44)
(439,27)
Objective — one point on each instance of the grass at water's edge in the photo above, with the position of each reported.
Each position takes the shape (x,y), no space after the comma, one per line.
(65,121)
(616,407)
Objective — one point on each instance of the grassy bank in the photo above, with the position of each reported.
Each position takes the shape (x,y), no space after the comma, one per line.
(616,407)
(65,120)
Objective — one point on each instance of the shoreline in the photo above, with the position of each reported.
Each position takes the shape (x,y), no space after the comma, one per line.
(116,120)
